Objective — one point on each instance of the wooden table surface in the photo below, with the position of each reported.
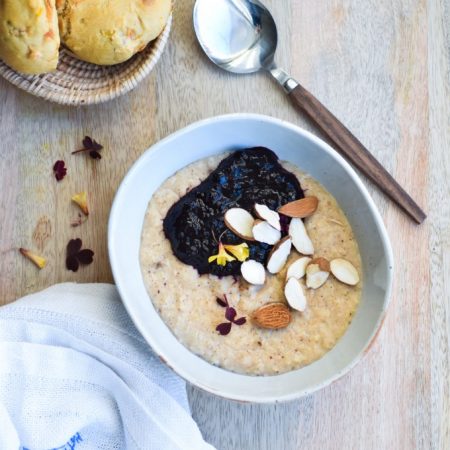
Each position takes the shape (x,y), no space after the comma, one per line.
(381,66)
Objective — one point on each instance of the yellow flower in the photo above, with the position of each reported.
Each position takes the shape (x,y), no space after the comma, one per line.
(81,200)
(37,260)
(241,251)
(222,257)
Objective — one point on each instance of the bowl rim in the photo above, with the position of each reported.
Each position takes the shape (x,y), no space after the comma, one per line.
(387,252)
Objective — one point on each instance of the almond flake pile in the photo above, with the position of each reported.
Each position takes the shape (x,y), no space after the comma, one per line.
(267,228)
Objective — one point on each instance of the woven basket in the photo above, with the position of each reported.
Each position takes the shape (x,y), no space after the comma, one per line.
(77,82)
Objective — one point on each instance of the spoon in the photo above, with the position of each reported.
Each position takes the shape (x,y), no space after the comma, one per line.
(240,36)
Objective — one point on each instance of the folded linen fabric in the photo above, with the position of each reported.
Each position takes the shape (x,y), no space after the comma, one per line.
(76,374)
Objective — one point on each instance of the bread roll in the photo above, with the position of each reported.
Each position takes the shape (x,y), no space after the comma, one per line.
(29,36)
(109,32)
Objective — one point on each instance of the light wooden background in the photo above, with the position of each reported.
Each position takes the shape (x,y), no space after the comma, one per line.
(383,67)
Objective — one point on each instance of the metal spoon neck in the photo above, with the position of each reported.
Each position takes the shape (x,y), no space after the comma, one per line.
(283,78)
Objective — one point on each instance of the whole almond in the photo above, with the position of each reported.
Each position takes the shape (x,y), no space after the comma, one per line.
(272,316)
(300,208)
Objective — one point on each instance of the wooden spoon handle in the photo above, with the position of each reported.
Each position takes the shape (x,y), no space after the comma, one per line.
(350,147)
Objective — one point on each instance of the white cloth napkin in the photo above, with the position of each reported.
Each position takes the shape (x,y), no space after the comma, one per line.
(76,374)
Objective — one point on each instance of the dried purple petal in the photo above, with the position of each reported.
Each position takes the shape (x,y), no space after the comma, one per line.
(96,145)
(240,321)
(95,155)
(224,328)
(221,302)
(87,142)
(230,314)
(74,246)
(76,256)
(59,170)
(92,146)
(72,263)
(85,256)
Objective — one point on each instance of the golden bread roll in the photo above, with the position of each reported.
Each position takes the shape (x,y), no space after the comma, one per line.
(109,32)
(29,36)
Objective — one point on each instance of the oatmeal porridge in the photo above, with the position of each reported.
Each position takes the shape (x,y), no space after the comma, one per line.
(237,301)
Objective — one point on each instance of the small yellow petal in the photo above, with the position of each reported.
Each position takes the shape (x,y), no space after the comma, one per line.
(81,200)
(221,261)
(222,257)
(241,251)
(37,260)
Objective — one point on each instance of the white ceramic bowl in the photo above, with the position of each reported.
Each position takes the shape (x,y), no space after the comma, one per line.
(217,135)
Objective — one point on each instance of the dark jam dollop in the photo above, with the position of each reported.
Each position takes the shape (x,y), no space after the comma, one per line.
(242,179)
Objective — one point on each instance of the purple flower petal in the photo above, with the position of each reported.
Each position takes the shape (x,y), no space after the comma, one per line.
(87,142)
(85,256)
(96,145)
(225,298)
(221,302)
(230,314)
(224,328)
(72,263)
(74,246)
(59,170)
(240,321)
(95,155)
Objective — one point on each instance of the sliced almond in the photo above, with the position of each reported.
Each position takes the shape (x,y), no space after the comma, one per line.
(297,269)
(300,208)
(279,255)
(240,222)
(253,272)
(344,271)
(265,213)
(294,294)
(323,263)
(300,238)
(316,273)
(264,232)
(272,316)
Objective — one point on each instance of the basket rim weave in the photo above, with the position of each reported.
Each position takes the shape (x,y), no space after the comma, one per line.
(69,84)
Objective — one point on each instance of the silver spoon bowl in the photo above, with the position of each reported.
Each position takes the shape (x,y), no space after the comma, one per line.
(240,36)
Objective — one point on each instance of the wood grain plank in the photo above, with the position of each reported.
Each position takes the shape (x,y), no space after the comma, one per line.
(439,242)
(34,135)
(9,181)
